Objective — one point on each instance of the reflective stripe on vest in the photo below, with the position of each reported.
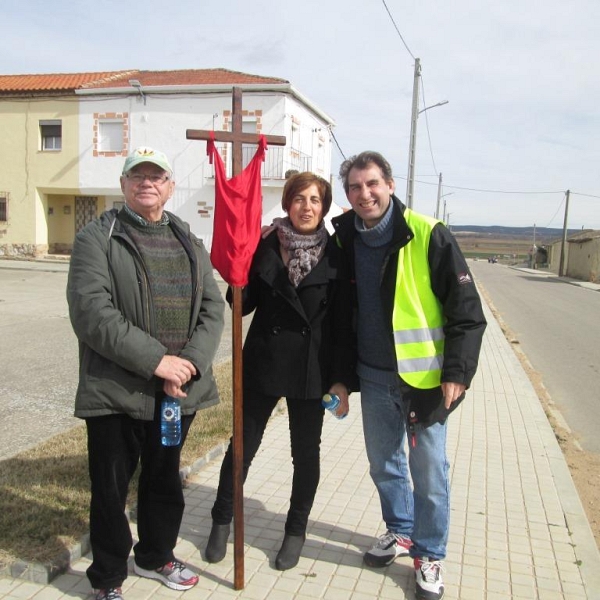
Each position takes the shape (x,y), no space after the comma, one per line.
(418,335)
(417,319)
(419,365)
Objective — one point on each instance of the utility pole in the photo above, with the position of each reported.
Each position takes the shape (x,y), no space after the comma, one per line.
(410,180)
(437,206)
(533,250)
(561,267)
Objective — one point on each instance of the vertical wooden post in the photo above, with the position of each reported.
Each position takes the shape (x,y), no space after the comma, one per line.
(238,393)
(236,137)
(238,442)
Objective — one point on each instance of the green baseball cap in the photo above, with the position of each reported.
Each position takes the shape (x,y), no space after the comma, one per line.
(147,155)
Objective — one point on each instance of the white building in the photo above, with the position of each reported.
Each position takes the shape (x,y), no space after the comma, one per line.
(76,174)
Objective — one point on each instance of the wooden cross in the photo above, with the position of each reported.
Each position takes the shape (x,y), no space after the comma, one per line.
(236,137)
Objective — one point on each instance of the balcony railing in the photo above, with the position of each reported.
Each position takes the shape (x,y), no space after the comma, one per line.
(278,160)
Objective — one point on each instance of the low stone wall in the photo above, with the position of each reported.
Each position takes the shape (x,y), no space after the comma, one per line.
(23,250)
(57,248)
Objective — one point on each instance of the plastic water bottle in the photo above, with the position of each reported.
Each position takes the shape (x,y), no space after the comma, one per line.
(170,421)
(331,402)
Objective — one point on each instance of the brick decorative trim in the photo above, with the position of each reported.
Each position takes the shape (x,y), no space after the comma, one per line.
(115,117)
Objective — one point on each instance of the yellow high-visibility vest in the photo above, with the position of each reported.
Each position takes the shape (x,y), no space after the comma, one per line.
(418,318)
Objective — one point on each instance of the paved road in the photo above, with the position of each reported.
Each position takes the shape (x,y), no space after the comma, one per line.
(558,329)
(38,354)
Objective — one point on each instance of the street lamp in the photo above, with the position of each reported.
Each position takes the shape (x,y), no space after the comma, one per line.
(135,83)
(437,206)
(433,106)
(444,215)
(413,133)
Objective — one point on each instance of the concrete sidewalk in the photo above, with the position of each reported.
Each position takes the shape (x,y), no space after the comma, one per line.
(595,287)
(518,529)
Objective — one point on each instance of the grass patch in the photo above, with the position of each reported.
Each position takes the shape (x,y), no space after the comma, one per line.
(44,492)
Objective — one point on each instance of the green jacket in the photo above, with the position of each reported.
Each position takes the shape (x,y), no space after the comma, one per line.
(110,306)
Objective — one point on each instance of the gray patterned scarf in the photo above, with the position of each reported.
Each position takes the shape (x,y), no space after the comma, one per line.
(304,251)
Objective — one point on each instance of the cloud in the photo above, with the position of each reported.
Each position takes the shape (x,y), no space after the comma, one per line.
(520,78)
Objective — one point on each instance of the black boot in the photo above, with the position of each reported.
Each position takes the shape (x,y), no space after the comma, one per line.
(289,554)
(217,543)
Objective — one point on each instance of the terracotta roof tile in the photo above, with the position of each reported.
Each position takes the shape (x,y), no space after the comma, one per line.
(56,82)
(61,82)
(190,77)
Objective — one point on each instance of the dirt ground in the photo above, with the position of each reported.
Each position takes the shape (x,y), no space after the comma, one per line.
(584,466)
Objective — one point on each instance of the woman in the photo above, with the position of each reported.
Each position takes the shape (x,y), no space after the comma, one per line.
(299,346)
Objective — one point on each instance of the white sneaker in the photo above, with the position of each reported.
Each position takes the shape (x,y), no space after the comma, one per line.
(387,549)
(428,577)
(174,575)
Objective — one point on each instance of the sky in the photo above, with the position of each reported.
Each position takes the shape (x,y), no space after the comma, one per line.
(521,78)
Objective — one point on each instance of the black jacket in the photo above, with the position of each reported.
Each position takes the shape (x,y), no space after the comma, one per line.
(300,340)
(451,282)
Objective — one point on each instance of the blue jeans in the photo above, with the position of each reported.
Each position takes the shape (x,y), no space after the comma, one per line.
(423,510)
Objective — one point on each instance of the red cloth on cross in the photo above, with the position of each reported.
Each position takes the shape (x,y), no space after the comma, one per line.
(238,211)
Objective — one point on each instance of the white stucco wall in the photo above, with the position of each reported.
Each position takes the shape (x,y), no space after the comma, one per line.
(162,122)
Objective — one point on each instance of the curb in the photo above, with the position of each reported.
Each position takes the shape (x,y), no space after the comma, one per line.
(44,573)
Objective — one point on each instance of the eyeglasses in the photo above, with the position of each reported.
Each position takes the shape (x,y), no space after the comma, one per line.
(138,178)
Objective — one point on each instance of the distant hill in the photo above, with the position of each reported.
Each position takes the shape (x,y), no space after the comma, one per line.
(500,231)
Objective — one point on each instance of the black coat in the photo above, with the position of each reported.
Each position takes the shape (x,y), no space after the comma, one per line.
(453,285)
(300,340)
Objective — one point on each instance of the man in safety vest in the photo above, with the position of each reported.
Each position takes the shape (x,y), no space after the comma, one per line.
(419,325)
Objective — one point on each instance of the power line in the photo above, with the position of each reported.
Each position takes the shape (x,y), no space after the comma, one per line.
(469,189)
(587,195)
(397,30)
(336,142)
(559,207)
(456,187)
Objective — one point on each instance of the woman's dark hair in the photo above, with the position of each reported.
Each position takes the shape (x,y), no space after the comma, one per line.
(299,182)
(363,161)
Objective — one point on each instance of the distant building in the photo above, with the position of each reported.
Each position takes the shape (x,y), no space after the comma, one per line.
(582,256)
(66,135)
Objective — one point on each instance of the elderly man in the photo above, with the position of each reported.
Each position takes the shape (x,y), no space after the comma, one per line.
(148,315)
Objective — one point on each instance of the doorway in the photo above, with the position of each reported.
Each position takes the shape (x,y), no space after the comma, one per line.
(85,211)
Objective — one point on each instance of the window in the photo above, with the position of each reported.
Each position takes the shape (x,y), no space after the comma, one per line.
(3,206)
(295,142)
(321,155)
(249,125)
(110,135)
(51,134)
